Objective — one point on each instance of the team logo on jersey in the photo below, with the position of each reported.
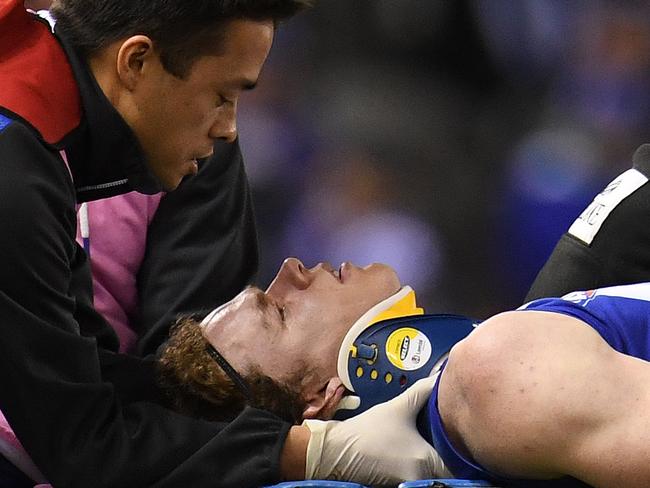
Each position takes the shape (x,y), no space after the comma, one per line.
(580,296)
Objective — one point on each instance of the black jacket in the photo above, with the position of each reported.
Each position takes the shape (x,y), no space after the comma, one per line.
(87,416)
(201,247)
(619,252)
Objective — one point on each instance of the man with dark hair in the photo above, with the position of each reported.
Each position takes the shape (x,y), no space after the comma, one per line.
(145,276)
(125,96)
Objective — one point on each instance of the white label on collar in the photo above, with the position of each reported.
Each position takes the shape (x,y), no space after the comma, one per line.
(408,348)
(587,225)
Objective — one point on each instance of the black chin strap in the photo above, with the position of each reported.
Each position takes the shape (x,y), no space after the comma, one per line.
(234,376)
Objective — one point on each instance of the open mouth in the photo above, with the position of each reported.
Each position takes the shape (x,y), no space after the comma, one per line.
(334,272)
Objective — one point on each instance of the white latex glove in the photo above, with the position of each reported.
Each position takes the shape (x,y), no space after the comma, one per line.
(381,446)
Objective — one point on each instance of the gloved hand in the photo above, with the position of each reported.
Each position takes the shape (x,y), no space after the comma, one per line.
(381,446)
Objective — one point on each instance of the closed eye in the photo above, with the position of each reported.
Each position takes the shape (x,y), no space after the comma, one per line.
(222,100)
(269,306)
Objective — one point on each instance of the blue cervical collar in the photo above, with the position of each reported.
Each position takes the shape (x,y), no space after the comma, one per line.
(392,346)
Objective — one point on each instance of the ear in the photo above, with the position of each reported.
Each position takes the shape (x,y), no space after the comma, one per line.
(322,403)
(132,58)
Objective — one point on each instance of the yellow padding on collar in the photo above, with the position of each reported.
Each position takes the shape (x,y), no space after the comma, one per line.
(405,307)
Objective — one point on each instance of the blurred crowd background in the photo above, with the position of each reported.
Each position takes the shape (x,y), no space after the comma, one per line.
(455,140)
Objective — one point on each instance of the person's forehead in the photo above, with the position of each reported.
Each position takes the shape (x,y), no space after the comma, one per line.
(241,54)
(228,71)
(246,312)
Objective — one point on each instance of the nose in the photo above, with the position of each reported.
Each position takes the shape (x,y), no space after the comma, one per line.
(225,125)
(292,275)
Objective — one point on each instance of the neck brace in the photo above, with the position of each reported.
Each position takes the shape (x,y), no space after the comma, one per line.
(390,347)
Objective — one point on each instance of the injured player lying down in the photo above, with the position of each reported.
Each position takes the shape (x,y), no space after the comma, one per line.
(558,390)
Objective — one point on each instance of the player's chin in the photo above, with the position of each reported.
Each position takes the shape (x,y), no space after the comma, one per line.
(170,184)
(386,275)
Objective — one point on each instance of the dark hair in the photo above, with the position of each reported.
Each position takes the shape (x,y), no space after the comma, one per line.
(198,387)
(182,30)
